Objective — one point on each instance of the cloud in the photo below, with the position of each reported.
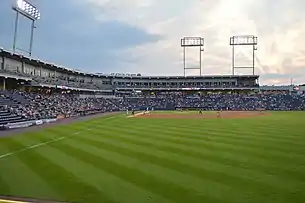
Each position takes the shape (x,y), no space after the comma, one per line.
(278,24)
(143,36)
(68,35)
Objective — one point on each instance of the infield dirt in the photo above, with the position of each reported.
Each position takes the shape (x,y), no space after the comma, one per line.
(224,114)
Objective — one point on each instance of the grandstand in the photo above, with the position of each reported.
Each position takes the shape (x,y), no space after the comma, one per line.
(31,88)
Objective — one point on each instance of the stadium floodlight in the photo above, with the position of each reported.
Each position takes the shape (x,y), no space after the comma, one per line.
(192,42)
(243,40)
(28,10)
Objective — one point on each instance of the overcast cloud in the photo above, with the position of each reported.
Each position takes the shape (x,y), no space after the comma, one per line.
(279,25)
(145,35)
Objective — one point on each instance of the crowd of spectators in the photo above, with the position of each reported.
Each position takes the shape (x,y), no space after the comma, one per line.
(225,101)
(33,106)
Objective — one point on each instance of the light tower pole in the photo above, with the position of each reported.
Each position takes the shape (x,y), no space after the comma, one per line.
(243,40)
(195,42)
(29,11)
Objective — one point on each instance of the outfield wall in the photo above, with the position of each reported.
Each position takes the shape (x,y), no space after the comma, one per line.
(26,124)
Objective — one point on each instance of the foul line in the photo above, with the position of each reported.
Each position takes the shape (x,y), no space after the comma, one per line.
(30,147)
(42,144)
(10,201)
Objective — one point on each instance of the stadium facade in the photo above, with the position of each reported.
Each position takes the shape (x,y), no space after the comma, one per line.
(18,71)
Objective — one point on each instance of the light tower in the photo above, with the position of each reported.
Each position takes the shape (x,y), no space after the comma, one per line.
(29,11)
(243,40)
(195,42)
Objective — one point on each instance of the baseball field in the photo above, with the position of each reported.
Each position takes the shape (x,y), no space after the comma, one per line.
(177,157)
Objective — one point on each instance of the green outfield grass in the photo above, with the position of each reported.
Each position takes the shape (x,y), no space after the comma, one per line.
(134,160)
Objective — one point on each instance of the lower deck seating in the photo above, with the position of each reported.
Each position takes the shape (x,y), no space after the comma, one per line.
(8,108)
(7,117)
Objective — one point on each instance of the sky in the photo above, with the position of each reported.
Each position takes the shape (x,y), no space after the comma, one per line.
(143,36)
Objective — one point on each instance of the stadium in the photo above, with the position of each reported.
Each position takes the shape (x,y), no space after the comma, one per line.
(71,136)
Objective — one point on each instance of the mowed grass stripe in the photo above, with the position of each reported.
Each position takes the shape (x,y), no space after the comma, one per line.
(272,149)
(240,184)
(288,128)
(101,132)
(253,124)
(137,131)
(33,138)
(219,156)
(216,157)
(248,147)
(21,181)
(85,126)
(140,131)
(51,173)
(136,136)
(258,173)
(141,195)
(292,134)
(213,145)
(88,136)
(4,187)
(180,137)
(211,127)
(113,187)
(238,136)
(228,136)
(240,129)
(130,170)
